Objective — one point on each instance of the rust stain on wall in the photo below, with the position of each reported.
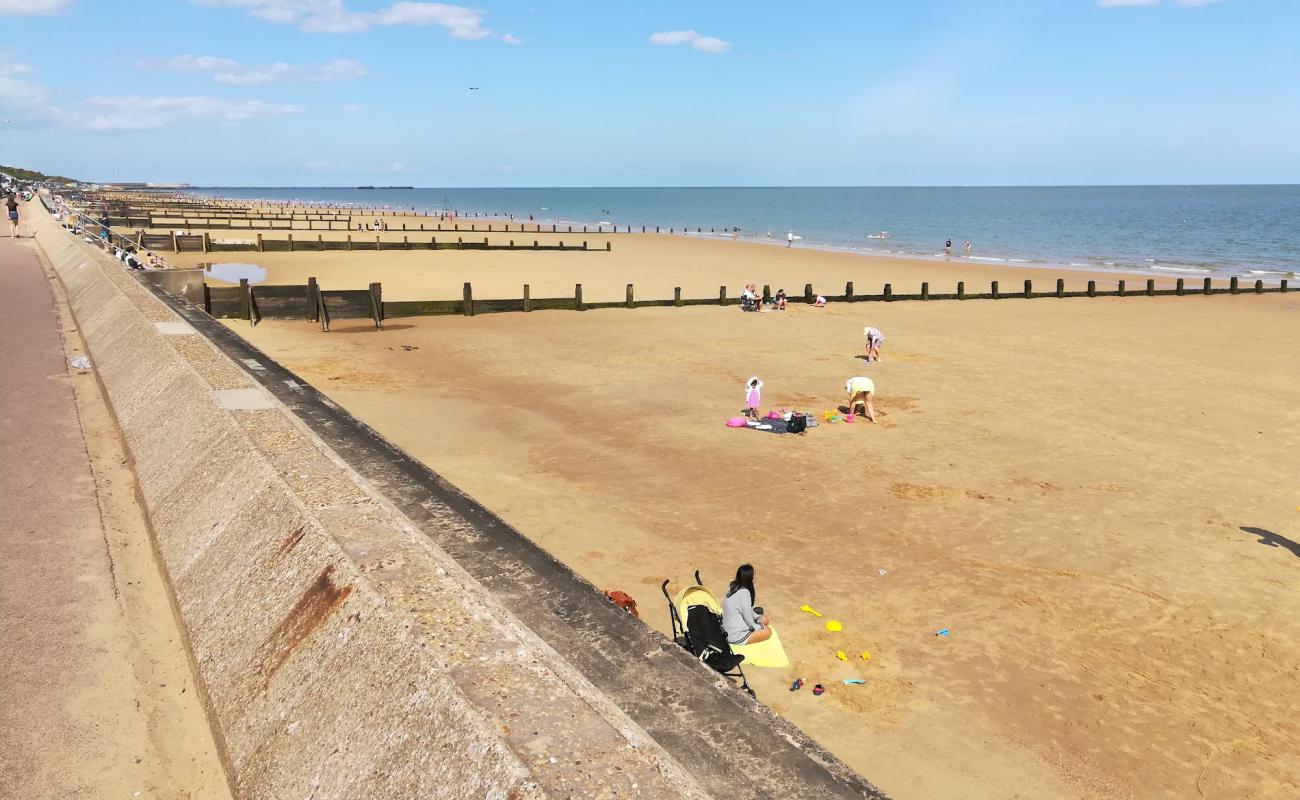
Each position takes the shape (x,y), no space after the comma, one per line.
(309,613)
(291,541)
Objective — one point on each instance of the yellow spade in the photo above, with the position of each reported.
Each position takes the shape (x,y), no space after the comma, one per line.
(834,626)
(809,610)
(840,655)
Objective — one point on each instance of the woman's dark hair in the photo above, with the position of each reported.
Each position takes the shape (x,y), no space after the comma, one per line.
(744,580)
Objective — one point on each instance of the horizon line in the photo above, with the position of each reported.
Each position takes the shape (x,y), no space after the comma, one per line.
(763,186)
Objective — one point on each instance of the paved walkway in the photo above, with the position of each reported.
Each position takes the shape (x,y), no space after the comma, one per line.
(76,716)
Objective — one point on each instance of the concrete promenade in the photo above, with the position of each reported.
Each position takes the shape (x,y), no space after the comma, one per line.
(96,697)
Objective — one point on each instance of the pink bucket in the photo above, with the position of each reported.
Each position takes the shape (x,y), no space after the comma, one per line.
(736,422)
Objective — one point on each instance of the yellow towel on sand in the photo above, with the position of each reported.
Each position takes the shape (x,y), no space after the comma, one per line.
(764,654)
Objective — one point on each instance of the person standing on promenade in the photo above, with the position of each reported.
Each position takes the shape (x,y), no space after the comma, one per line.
(11,202)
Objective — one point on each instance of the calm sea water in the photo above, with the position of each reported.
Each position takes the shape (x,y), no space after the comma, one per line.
(1192,230)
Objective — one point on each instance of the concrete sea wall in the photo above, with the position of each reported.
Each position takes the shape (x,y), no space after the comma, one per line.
(342,652)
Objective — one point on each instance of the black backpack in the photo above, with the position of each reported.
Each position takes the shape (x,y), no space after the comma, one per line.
(798,423)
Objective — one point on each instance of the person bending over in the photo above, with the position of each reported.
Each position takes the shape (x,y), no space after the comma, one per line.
(741,621)
(874,340)
(779,303)
(861,392)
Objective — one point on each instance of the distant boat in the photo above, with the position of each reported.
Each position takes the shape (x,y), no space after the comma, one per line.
(385,187)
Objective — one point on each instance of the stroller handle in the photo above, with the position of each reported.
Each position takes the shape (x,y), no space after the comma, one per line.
(698,580)
(664,588)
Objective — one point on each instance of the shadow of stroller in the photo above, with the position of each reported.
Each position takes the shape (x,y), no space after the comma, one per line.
(1274,540)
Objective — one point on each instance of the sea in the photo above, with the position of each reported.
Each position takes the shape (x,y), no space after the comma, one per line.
(1193,231)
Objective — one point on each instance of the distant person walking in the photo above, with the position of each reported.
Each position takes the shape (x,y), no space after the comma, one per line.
(967,245)
(947,247)
(11,202)
(789,239)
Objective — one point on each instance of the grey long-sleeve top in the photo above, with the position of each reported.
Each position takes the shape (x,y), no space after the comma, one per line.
(738,617)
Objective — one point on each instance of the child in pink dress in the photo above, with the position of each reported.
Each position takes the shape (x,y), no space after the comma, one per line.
(753,390)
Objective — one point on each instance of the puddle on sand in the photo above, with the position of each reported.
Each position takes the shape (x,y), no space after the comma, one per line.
(232,271)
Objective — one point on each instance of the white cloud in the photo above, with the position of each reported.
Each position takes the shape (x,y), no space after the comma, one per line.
(23,103)
(28,104)
(510,38)
(8,69)
(706,44)
(333,16)
(31,7)
(149,113)
(351,109)
(227,70)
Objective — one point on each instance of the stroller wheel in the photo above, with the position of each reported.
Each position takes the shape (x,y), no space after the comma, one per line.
(751,692)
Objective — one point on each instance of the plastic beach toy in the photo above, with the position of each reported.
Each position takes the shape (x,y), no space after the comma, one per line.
(807,609)
(797,685)
(941,632)
(866,656)
(818,689)
(736,422)
(834,626)
(840,655)
(853,681)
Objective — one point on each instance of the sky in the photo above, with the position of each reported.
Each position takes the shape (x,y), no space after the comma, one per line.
(574,93)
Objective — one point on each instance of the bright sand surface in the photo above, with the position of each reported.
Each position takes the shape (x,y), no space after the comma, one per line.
(654,264)
(1062,484)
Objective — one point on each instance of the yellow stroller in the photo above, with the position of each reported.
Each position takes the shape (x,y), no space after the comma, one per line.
(696,617)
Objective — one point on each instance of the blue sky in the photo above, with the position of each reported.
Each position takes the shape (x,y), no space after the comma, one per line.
(922,92)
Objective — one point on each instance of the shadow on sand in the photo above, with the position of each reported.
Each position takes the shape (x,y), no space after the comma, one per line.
(1271,539)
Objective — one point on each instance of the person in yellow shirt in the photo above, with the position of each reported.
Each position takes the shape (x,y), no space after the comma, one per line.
(861,392)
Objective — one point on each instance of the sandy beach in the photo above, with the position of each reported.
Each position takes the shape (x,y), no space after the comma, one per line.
(655,265)
(1095,497)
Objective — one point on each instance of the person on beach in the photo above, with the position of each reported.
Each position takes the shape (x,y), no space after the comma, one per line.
(11,202)
(874,340)
(751,298)
(742,621)
(753,396)
(789,239)
(947,247)
(779,305)
(820,302)
(861,391)
(967,245)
